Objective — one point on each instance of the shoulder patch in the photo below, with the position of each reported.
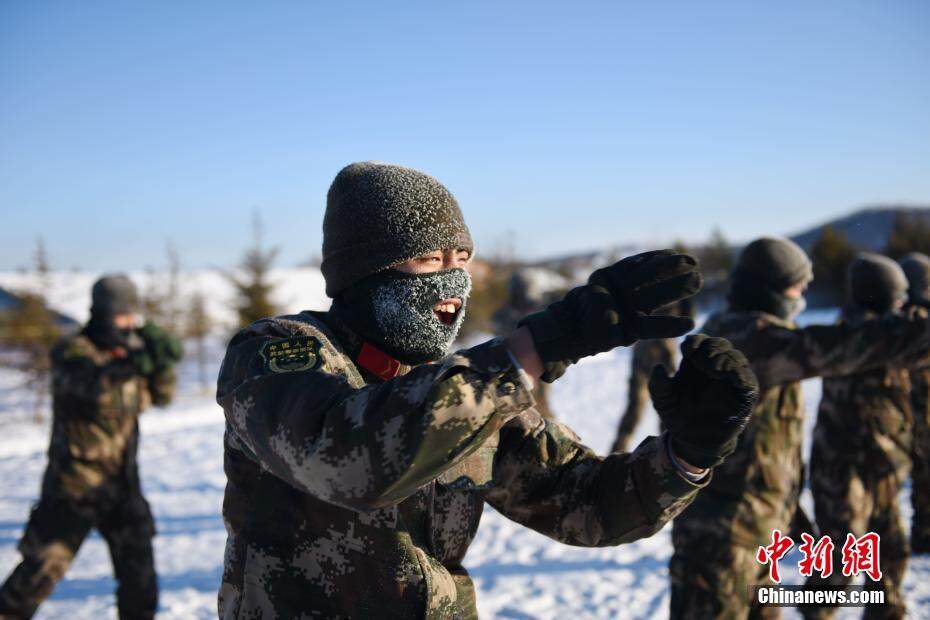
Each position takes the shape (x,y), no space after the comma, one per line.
(292,354)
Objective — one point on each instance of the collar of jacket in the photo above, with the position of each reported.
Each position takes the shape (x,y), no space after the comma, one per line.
(366,356)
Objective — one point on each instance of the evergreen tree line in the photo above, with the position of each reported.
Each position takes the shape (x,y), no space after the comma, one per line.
(833,252)
(29,328)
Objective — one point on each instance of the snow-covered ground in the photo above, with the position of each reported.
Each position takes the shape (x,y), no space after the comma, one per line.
(519,574)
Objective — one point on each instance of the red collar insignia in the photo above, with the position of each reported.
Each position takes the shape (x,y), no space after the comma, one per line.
(378,362)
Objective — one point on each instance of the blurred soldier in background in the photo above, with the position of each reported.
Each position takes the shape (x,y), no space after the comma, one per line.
(358,471)
(917,269)
(861,449)
(756,490)
(525,295)
(102,379)
(647,354)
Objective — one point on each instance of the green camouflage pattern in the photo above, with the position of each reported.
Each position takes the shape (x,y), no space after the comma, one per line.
(91,481)
(860,456)
(95,417)
(647,354)
(351,497)
(920,458)
(756,489)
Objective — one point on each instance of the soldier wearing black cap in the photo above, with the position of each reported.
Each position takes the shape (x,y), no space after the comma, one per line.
(102,379)
(916,267)
(756,490)
(359,454)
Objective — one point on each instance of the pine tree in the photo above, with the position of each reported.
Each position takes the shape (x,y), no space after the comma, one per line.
(831,255)
(251,282)
(160,300)
(908,234)
(198,328)
(30,330)
(716,257)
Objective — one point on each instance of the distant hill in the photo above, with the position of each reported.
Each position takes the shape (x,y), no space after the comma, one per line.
(867,229)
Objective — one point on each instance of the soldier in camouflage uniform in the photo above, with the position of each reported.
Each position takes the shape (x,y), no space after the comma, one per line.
(917,269)
(756,490)
(102,379)
(523,298)
(861,447)
(647,354)
(357,471)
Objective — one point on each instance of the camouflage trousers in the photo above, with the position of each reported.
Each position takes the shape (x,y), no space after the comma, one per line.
(848,500)
(637,400)
(711,578)
(58,526)
(920,485)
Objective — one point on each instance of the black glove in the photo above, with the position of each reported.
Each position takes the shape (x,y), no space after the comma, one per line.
(706,405)
(615,309)
(161,350)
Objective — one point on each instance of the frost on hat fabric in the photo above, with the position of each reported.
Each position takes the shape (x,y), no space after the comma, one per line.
(403,311)
(379,215)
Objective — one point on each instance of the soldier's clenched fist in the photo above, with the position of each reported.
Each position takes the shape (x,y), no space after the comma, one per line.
(615,308)
(706,405)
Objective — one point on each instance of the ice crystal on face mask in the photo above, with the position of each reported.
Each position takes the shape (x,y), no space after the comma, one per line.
(403,309)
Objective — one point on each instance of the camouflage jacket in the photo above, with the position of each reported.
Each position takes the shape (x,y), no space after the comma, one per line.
(756,489)
(96,401)
(866,419)
(920,385)
(348,496)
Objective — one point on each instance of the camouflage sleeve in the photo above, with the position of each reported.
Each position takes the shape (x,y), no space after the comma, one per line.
(781,355)
(370,447)
(78,366)
(545,479)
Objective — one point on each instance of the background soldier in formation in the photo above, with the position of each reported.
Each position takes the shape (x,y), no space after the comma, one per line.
(524,297)
(102,379)
(357,472)
(861,447)
(647,354)
(917,269)
(756,490)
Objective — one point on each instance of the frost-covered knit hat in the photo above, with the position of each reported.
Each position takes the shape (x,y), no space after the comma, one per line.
(379,215)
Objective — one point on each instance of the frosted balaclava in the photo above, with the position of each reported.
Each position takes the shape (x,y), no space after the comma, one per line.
(378,216)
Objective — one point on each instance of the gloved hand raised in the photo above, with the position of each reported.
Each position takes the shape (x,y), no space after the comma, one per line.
(161,351)
(615,309)
(706,405)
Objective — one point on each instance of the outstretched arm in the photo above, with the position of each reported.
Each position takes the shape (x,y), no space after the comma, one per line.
(782,355)
(545,479)
(370,447)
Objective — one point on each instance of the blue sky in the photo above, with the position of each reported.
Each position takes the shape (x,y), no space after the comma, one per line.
(573,125)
